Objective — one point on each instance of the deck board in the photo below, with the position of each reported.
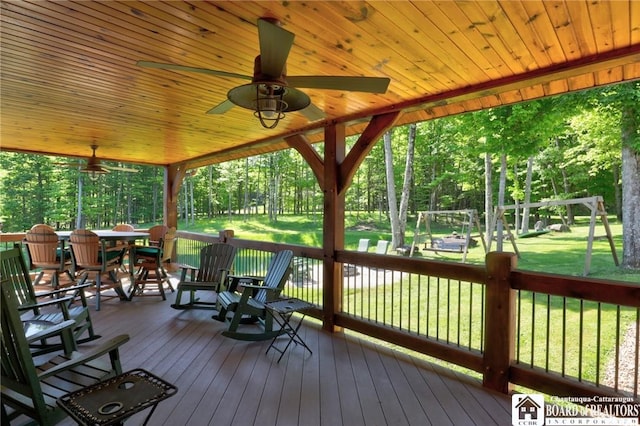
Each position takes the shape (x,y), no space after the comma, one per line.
(346,381)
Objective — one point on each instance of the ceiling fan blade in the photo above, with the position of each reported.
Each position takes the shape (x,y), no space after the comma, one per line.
(351,84)
(275,44)
(122,169)
(221,108)
(147,64)
(313,113)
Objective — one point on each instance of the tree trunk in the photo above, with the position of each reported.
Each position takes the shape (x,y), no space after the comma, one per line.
(501,193)
(527,197)
(391,190)
(630,187)
(617,191)
(398,240)
(209,191)
(488,197)
(567,190)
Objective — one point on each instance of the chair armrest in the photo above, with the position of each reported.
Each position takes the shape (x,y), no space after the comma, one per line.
(260,287)
(253,278)
(62,290)
(78,358)
(236,281)
(32,306)
(51,330)
(185,269)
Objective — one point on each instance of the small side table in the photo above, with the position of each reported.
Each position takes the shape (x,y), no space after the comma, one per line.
(282,311)
(114,400)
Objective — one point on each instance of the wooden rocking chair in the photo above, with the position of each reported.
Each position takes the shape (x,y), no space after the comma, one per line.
(216,261)
(37,308)
(33,392)
(248,306)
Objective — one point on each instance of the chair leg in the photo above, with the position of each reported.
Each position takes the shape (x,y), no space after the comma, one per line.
(177,304)
(98,289)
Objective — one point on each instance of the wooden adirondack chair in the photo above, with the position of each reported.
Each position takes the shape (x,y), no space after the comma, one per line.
(93,261)
(248,306)
(47,254)
(27,390)
(39,308)
(216,261)
(148,265)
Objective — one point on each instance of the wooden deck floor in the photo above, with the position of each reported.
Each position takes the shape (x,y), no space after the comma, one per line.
(346,381)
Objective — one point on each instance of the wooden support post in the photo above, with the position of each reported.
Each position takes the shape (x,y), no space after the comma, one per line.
(333,236)
(500,321)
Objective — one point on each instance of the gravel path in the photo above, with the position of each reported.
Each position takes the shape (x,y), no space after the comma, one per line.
(628,367)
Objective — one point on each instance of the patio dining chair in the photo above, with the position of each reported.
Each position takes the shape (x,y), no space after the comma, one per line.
(94,261)
(47,255)
(156,235)
(148,265)
(123,244)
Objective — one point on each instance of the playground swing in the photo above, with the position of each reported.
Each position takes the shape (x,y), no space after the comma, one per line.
(453,243)
(596,206)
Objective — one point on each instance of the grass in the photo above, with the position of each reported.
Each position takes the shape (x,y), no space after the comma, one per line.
(562,253)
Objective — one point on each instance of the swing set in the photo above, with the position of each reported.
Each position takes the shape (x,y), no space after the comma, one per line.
(454,243)
(594,204)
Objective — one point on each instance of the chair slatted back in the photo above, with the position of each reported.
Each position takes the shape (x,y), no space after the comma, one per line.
(14,273)
(86,248)
(156,234)
(278,272)
(123,227)
(382,247)
(42,244)
(18,370)
(215,261)
(363,245)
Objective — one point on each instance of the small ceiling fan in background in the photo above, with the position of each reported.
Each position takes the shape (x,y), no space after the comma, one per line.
(271,92)
(94,168)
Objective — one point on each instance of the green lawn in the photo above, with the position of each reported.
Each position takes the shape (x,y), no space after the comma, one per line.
(555,252)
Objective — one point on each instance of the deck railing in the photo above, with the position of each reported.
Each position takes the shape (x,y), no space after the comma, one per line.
(555,334)
(561,335)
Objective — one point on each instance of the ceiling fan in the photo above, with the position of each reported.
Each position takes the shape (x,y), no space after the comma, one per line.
(94,168)
(271,92)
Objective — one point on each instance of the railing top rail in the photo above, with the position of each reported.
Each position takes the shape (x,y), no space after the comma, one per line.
(593,289)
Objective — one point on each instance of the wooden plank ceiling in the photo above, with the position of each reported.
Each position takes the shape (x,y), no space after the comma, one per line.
(70,79)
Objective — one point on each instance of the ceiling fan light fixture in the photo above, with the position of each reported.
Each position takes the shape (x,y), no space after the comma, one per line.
(268,101)
(94,172)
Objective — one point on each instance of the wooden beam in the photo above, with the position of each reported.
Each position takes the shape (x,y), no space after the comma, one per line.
(333,236)
(301,144)
(173,176)
(374,131)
